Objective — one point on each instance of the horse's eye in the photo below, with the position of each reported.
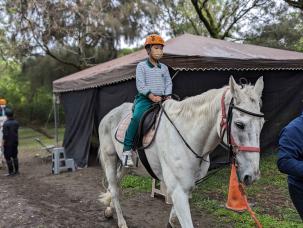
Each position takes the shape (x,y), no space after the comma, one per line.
(240,125)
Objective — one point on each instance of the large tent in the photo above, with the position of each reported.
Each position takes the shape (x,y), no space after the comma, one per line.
(196,64)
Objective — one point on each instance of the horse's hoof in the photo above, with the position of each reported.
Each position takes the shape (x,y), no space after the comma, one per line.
(108,212)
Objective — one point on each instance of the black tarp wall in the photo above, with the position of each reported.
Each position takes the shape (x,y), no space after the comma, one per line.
(282,101)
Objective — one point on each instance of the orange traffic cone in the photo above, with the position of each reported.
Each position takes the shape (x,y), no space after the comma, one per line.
(236,200)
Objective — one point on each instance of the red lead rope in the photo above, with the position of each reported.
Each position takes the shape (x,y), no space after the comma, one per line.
(251,212)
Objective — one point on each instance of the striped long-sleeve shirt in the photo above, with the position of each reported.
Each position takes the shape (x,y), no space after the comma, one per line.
(153,79)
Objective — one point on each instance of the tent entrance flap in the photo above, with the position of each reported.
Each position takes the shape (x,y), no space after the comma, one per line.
(79,108)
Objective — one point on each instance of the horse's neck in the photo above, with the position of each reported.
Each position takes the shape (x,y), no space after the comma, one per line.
(198,118)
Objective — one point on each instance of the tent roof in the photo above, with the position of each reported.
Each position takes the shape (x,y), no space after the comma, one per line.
(186,52)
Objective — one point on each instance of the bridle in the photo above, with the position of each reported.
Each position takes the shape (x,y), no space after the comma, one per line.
(225,127)
(232,146)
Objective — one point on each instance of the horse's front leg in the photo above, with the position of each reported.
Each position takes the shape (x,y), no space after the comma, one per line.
(172,222)
(181,205)
(178,185)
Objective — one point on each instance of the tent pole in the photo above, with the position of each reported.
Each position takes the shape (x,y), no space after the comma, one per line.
(56,118)
(173,77)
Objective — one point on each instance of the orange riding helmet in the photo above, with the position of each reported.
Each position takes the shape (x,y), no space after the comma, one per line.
(154,39)
(2,101)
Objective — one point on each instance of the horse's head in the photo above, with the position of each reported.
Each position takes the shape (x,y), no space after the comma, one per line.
(245,128)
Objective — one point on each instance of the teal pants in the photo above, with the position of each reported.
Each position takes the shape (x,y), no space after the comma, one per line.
(141,104)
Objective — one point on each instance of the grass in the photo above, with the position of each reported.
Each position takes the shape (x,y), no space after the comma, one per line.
(138,183)
(269,196)
(29,145)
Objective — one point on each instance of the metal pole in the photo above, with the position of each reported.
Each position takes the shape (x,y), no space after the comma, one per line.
(175,75)
(56,118)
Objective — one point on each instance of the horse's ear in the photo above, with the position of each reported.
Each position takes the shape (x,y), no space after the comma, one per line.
(234,88)
(259,86)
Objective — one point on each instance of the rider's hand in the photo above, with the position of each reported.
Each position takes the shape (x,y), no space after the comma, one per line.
(154,98)
(157,99)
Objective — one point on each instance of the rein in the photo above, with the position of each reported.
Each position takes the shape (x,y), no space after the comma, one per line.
(225,126)
(187,145)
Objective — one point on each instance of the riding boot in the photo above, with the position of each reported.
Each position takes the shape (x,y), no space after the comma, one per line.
(10,167)
(16,165)
(127,160)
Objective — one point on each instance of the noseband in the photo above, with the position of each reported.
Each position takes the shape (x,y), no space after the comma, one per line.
(225,126)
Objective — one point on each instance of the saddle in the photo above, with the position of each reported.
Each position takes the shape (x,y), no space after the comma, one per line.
(147,127)
(145,135)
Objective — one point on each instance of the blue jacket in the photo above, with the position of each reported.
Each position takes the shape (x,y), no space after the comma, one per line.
(290,159)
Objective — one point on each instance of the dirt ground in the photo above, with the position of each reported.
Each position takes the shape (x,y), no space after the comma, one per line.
(36,198)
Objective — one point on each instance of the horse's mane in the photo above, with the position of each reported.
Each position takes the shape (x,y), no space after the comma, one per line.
(205,103)
(202,104)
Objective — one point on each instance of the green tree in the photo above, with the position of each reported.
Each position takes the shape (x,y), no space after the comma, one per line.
(299,45)
(221,18)
(11,88)
(28,86)
(180,17)
(285,32)
(79,27)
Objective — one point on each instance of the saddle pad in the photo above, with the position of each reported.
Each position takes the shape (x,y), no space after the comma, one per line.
(122,128)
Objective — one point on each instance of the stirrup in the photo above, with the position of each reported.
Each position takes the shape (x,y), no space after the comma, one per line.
(127,159)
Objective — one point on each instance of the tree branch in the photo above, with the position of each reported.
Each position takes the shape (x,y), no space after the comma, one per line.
(46,49)
(238,17)
(297,4)
(203,18)
(2,55)
(171,21)
(193,24)
(224,13)
(48,52)
(233,12)
(210,18)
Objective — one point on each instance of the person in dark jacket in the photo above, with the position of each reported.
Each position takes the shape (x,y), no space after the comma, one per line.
(10,143)
(290,160)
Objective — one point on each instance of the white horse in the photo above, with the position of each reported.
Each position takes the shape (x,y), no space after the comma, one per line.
(199,119)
